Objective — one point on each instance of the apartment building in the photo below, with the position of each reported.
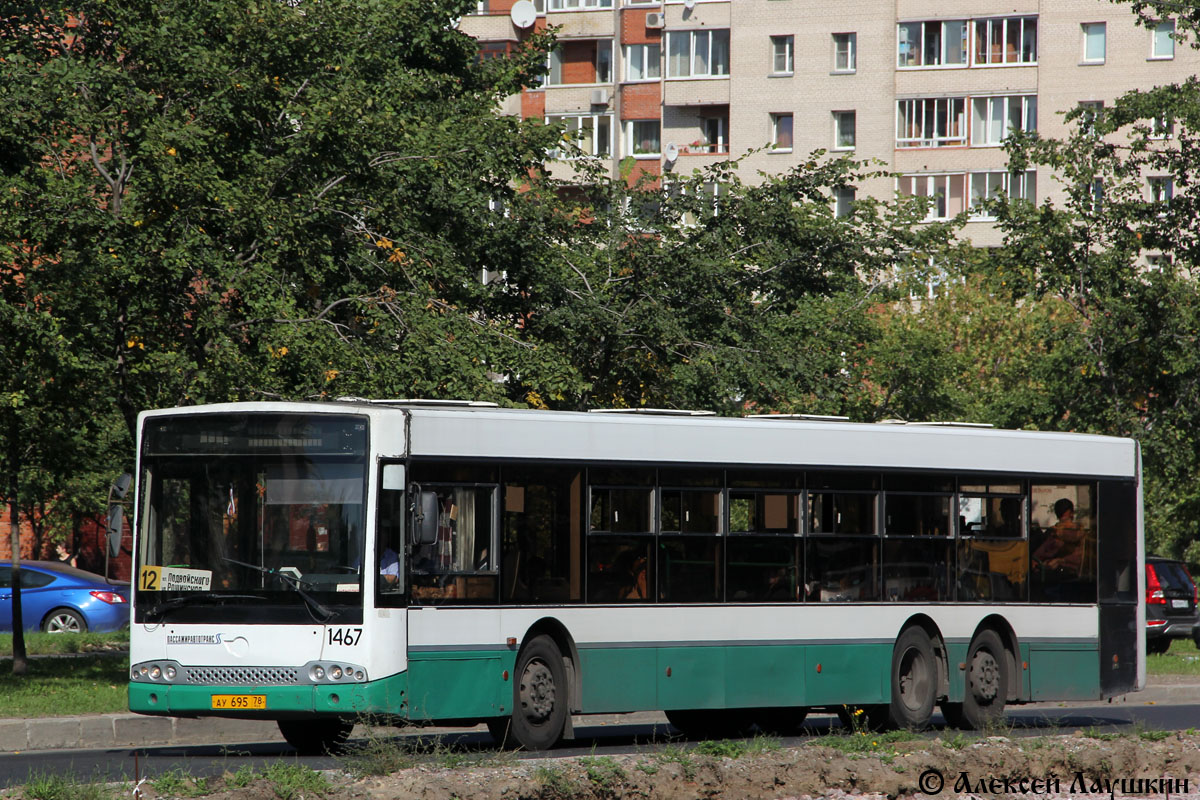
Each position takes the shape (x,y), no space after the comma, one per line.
(929,88)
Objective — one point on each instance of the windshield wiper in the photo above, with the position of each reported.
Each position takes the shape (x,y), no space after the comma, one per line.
(158,609)
(311,603)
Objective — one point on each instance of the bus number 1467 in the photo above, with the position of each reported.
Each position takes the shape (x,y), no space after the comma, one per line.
(347,636)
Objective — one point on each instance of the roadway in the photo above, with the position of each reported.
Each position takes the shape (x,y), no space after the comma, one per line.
(608,735)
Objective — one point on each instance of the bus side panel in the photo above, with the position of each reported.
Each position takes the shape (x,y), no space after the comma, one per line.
(460,685)
(848,673)
(619,679)
(1118,649)
(691,677)
(1064,670)
(760,675)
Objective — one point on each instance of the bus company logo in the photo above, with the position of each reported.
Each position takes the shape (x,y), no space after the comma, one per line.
(200,638)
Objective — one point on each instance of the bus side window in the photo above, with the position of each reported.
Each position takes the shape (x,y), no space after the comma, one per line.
(460,562)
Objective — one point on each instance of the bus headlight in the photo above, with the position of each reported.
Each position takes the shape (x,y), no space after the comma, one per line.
(155,672)
(329,672)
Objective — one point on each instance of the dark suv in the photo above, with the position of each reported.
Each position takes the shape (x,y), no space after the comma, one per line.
(1170,604)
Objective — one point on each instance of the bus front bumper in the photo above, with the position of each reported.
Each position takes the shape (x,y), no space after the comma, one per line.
(387,697)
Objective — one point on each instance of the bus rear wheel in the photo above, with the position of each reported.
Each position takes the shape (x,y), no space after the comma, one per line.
(986,685)
(539,699)
(914,680)
(711,723)
(316,737)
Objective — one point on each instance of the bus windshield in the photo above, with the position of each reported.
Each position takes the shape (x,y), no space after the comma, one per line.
(251,516)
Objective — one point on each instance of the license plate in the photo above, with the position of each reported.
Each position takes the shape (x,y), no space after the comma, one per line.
(1179,604)
(240,702)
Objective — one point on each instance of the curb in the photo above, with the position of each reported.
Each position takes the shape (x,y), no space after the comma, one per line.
(128,730)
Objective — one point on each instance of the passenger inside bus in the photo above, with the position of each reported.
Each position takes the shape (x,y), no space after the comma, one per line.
(1063,549)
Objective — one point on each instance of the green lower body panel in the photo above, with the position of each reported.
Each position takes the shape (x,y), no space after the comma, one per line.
(385,697)
(1064,671)
(479,685)
(718,676)
(460,685)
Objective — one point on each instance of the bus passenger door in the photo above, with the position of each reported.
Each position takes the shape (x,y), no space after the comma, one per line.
(384,609)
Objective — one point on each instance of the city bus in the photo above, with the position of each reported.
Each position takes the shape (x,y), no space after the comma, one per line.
(420,562)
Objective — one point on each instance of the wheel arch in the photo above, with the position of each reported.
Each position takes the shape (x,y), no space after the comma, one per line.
(557,631)
(1002,628)
(926,623)
(63,607)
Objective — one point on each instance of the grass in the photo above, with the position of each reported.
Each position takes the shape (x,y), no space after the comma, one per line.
(1181,659)
(294,781)
(385,754)
(43,644)
(864,741)
(55,687)
(59,786)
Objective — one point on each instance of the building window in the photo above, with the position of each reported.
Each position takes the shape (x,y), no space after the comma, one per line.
(591,132)
(845,52)
(1094,42)
(1157,262)
(1161,128)
(716,134)
(932,44)
(843,197)
(783,55)
(843,130)
(986,186)
(946,193)
(643,62)
(698,54)
(1162,39)
(781,133)
(582,62)
(994,118)
(490,50)
(578,5)
(1162,189)
(931,122)
(1091,110)
(1006,40)
(643,137)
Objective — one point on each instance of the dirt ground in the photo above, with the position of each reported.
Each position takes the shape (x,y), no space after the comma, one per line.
(1086,764)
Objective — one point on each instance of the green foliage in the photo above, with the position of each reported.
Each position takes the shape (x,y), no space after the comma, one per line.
(244,776)
(293,781)
(178,783)
(605,774)
(60,786)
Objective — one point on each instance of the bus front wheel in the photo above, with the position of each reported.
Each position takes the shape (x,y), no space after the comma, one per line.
(986,687)
(316,737)
(539,698)
(914,680)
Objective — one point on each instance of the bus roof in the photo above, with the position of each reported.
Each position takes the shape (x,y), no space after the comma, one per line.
(486,432)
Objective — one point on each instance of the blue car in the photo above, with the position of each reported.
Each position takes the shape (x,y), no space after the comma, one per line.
(58,598)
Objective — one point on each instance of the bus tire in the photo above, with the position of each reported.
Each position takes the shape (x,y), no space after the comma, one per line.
(539,697)
(914,680)
(786,721)
(986,687)
(316,737)
(711,723)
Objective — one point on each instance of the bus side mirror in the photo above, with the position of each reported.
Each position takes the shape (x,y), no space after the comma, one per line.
(114,528)
(116,514)
(425,527)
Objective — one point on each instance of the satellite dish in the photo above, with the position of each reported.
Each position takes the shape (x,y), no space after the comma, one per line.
(689,4)
(671,152)
(523,13)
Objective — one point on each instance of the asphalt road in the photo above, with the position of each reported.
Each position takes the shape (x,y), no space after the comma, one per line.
(608,739)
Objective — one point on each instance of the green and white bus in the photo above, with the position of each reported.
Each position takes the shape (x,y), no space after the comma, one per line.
(425,562)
